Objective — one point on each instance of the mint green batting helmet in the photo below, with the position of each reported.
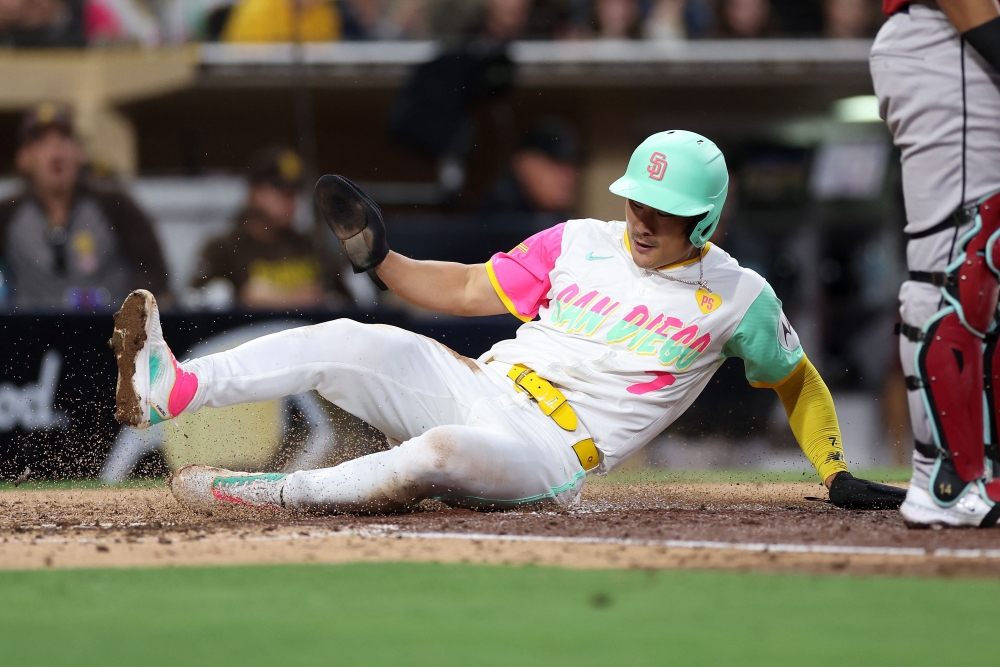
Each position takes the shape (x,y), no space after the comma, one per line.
(678,172)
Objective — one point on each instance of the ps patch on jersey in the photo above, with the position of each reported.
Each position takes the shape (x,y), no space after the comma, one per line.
(707,301)
(787,337)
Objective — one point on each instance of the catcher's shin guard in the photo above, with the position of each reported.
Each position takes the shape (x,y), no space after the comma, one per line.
(949,361)
(949,356)
(991,385)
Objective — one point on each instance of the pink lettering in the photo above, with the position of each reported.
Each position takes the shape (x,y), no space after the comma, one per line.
(638,316)
(663,379)
(568,293)
(669,323)
(585,299)
(597,307)
(686,335)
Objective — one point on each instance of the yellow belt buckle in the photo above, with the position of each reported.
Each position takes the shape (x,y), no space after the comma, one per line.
(587,452)
(550,400)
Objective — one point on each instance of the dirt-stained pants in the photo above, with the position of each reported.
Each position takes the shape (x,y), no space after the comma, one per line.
(468,437)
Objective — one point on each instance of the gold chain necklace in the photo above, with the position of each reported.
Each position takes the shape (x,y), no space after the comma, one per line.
(701,276)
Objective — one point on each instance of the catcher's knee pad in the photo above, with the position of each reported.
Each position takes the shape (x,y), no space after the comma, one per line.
(949,364)
(972,282)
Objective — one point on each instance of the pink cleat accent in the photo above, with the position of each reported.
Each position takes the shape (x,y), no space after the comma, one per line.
(184,389)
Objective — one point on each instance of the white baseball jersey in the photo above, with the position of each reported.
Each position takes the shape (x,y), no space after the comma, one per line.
(630,348)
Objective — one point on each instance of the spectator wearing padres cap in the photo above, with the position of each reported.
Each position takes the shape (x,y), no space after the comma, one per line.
(270,264)
(69,240)
(542,175)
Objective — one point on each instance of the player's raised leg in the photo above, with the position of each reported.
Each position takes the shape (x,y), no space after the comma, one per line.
(401,383)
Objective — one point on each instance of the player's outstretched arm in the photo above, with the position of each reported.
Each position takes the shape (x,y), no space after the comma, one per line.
(773,357)
(813,419)
(447,287)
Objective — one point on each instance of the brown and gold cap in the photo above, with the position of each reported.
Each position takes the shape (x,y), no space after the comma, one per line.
(277,166)
(44,117)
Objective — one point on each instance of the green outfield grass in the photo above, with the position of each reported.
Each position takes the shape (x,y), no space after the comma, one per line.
(426,614)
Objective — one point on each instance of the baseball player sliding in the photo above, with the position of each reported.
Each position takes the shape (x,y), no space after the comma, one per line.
(625,323)
(936,70)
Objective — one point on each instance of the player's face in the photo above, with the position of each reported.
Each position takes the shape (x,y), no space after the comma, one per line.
(657,238)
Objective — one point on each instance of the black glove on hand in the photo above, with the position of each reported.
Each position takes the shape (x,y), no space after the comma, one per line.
(852,493)
(357,222)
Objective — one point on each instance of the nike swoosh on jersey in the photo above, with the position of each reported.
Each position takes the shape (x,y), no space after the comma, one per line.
(591,257)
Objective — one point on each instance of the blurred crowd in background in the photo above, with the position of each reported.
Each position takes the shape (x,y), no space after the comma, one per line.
(76,23)
(73,238)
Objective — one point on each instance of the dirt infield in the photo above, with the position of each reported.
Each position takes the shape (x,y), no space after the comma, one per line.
(745,526)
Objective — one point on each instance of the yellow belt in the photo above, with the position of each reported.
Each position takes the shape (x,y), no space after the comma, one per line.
(554,404)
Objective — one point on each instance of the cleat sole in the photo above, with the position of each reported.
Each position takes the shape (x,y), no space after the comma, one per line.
(128,341)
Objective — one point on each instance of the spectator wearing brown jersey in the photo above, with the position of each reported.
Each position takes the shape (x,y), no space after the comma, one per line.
(270,265)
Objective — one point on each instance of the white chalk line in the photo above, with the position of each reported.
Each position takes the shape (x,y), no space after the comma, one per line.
(760,547)
(706,545)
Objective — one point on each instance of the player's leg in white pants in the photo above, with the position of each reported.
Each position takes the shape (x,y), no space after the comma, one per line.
(469,466)
(940,100)
(468,437)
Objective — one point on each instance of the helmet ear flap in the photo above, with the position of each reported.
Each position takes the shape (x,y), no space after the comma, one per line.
(702,227)
(706,228)
(692,225)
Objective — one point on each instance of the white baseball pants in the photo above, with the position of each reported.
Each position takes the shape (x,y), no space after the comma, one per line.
(468,438)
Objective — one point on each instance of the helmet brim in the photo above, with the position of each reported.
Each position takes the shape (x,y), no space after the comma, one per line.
(662,200)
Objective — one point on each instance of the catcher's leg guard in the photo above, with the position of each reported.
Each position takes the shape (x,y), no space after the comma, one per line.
(991,385)
(950,357)
(949,362)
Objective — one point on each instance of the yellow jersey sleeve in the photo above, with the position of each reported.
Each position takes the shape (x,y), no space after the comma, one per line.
(813,418)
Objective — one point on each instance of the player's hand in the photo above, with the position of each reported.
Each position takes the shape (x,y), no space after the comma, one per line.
(849,492)
(357,222)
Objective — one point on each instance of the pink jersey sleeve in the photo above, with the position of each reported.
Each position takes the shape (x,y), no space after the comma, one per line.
(521,276)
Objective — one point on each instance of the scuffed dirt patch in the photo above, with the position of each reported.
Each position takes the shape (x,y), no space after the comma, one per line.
(618,526)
